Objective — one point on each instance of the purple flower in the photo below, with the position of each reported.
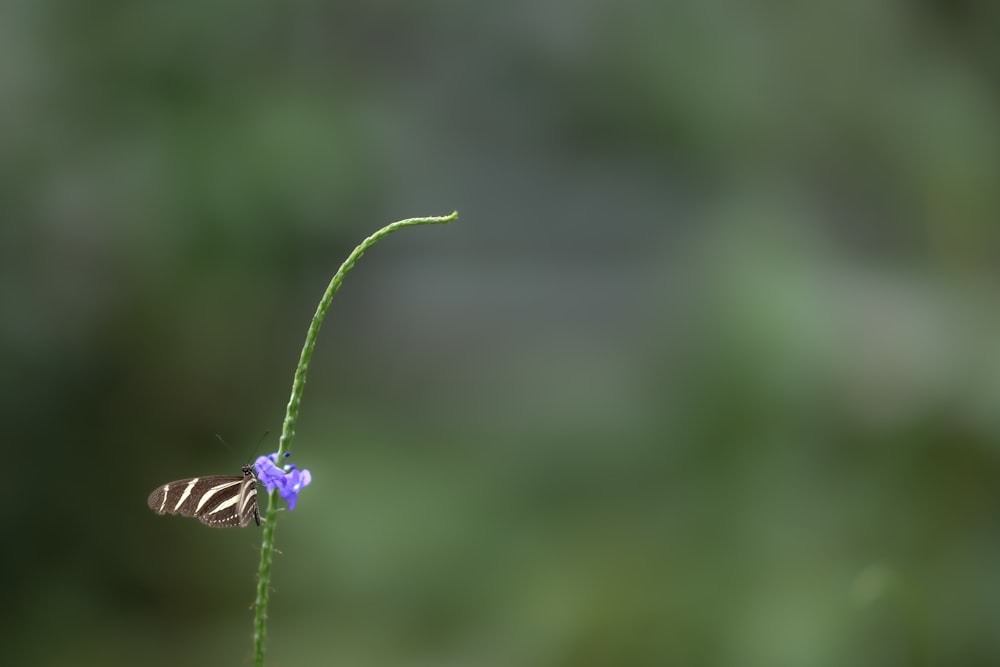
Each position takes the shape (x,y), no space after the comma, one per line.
(288,480)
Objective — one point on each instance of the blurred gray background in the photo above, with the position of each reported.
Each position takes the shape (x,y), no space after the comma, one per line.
(708,372)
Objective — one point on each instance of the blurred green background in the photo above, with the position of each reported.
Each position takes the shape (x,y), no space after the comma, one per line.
(708,372)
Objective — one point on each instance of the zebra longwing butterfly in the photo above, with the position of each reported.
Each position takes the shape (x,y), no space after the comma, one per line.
(220,501)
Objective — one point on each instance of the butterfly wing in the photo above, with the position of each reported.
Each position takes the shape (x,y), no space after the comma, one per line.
(216,500)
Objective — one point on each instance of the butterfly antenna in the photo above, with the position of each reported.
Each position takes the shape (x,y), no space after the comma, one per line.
(255,449)
(223,441)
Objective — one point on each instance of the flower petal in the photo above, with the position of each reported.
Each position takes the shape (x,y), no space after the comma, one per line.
(288,481)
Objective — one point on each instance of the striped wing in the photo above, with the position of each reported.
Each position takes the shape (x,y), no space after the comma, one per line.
(217,500)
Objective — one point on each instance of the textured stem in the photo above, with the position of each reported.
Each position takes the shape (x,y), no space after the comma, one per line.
(292,416)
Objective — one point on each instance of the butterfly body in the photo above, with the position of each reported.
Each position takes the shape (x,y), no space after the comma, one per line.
(220,501)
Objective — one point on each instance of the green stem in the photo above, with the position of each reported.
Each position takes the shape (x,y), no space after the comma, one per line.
(292,416)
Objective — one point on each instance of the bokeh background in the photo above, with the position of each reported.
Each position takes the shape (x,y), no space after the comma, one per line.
(708,372)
